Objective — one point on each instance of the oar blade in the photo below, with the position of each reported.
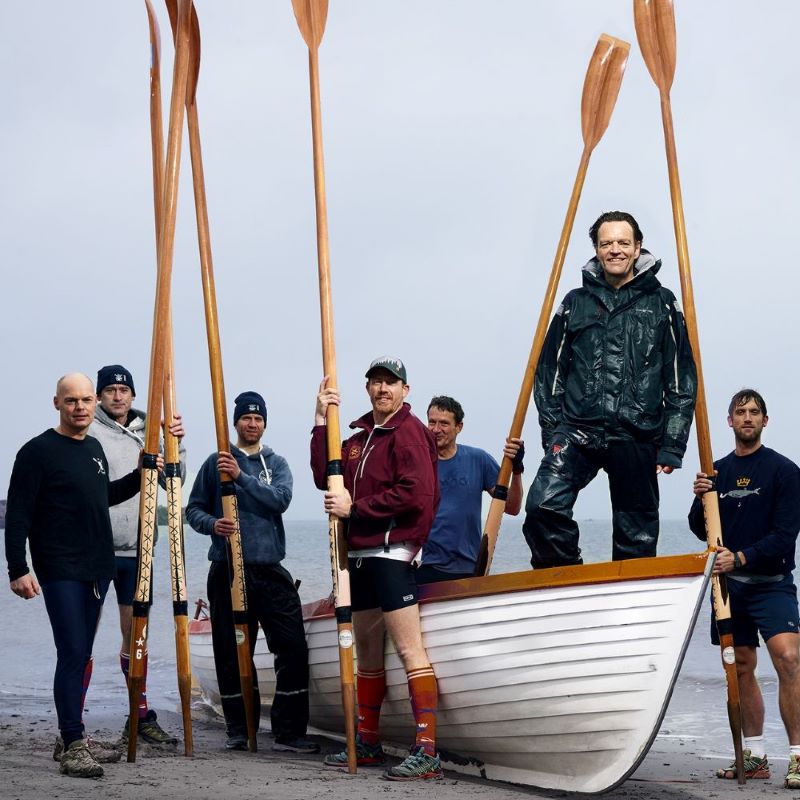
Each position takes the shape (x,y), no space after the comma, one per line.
(311,16)
(601,87)
(655,31)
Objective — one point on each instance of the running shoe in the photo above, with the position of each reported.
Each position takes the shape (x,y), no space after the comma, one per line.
(754,767)
(103,752)
(78,762)
(150,731)
(418,765)
(367,755)
(792,780)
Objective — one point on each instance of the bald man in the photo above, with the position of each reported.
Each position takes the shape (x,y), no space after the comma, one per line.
(58,501)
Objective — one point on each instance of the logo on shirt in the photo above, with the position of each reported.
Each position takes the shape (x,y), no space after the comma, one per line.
(265,477)
(743,483)
(739,493)
(355,451)
(101,470)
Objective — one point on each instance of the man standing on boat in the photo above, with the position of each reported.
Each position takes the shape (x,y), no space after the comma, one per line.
(615,388)
(388,504)
(120,429)
(263,484)
(465,473)
(58,502)
(760,515)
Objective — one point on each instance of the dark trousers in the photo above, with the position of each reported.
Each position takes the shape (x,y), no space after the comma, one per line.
(566,468)
(74,611)
(273,603)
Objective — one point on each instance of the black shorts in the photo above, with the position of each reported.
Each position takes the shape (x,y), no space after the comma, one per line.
(381,583)
(125,579)
(765,608)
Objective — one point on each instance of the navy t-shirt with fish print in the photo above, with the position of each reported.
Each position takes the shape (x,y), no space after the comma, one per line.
(759,507)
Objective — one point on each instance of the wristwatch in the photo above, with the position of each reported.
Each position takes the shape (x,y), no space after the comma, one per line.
(737,562)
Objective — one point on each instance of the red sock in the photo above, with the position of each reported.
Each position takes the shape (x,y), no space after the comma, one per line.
(371,689)
(87,677)
(125,664)
(424,702)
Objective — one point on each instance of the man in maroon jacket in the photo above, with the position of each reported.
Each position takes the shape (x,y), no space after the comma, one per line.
(389,502)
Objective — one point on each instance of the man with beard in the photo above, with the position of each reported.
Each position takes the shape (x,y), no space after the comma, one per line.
(759,492)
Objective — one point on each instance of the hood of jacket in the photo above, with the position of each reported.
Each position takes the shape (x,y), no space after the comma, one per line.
(136,425)
(644,280)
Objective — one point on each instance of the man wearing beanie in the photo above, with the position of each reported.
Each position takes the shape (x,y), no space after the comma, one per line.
(263,485)
(390,497)
(120,429)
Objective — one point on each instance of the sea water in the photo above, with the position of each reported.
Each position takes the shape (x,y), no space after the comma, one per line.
(697,711)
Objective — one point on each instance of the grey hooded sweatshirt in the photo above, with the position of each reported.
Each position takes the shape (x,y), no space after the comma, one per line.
(122,445)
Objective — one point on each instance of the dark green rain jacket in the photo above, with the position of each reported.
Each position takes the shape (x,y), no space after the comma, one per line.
(616,364)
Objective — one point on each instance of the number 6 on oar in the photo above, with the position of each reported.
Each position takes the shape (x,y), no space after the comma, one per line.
(655,30)
(172,473)
(600,90)
(311,16)
(161,317)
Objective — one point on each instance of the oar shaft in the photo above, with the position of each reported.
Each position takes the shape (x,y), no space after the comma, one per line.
(229,503)
(687,290)
(498,504)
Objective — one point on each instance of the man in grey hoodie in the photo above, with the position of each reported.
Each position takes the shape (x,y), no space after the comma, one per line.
(263,484)
(120,430)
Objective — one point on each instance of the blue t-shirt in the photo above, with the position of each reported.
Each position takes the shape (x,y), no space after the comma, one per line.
(456,532)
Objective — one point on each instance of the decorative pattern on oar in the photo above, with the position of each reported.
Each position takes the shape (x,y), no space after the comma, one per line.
(172,468)
(161,320)
(600,90)
(230,508)
(311,16)
(655,30)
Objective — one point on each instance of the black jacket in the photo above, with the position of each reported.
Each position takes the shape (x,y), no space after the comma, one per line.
(616,364)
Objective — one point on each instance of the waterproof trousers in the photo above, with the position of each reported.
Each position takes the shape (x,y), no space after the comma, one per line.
(273,603)
(551,532)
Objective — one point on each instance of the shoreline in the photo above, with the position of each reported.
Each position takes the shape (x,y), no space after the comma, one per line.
(674,768)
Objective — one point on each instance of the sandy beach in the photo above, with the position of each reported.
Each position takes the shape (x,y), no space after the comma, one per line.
(672,769)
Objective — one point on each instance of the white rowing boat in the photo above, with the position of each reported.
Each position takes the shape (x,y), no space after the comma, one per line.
(553,678)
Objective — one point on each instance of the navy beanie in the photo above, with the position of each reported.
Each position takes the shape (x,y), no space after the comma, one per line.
(114,373)
(249,403)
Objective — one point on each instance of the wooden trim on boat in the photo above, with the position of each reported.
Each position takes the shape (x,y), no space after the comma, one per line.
(578,575)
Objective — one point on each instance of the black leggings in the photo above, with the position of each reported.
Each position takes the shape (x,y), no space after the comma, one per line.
(74,611)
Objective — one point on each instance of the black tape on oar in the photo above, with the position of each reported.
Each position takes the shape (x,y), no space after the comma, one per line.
(227,488)
(149,461)
(344,614)
(500,492)
(140,609)
(334,467)
(724,627)
(240,618)
(172,470)
(180,608)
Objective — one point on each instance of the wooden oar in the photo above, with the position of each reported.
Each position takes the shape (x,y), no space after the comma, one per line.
(172,468)
(600,90)
(655,30)
(228,489)
(311,16)
(155,397)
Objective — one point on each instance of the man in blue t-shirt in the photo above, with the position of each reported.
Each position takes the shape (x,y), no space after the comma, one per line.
(465,473)
(758,491)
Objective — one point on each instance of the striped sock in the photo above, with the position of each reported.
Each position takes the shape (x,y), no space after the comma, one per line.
(371,689)
(125,665)
(424,702)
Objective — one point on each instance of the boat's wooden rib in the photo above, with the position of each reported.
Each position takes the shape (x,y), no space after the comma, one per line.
(555,678)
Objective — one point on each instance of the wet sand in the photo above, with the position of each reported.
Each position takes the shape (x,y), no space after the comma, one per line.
(672,770)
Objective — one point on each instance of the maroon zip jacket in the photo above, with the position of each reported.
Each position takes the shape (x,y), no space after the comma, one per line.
(390,472)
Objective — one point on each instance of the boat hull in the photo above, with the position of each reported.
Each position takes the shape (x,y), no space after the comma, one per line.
(556,678)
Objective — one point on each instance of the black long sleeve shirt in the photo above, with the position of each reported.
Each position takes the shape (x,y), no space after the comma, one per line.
(58,499)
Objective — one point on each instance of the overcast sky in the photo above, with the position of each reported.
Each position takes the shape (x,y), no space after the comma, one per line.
(452,138)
